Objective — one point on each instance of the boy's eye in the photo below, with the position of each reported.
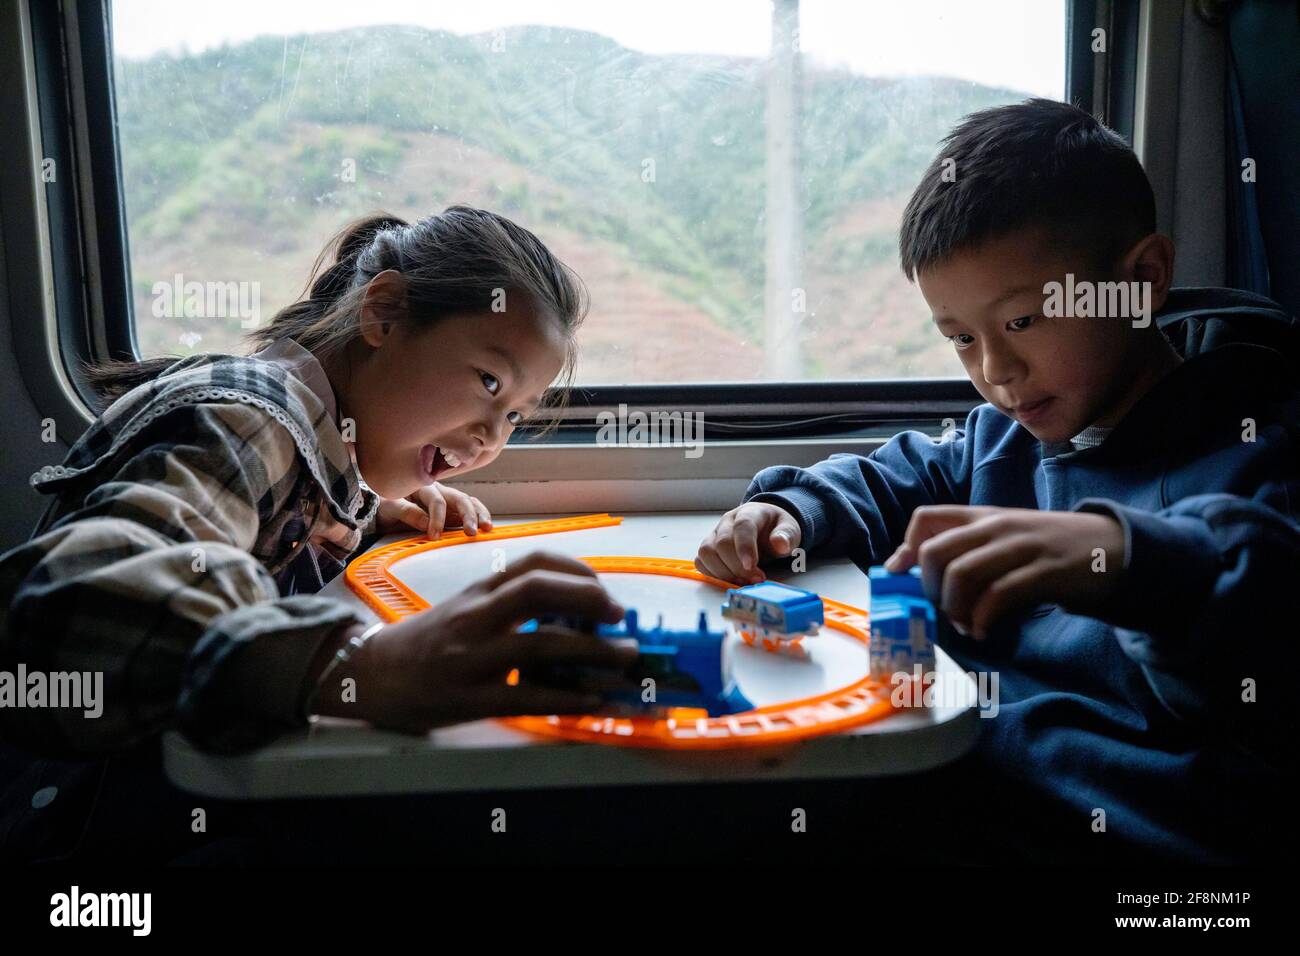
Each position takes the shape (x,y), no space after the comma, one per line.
(1026,319)
(490,382)
(514,418)
(957,337)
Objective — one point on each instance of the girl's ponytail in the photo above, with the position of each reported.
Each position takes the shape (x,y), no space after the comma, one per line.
(315,321)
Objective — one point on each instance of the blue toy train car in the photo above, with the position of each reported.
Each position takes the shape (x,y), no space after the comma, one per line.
(902,624)
(775,614)
(673,669)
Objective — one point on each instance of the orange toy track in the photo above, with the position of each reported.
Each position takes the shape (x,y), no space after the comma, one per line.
(392,600)
(858,703)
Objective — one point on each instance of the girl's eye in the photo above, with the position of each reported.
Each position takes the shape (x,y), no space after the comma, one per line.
(955,338)
(514,418)
(490,382)
(1027,319)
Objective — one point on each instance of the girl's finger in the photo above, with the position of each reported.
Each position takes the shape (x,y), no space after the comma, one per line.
(538,561)
(484,516)
(550,645)
(412,514)
(437,506)
(538,592)
(460,510)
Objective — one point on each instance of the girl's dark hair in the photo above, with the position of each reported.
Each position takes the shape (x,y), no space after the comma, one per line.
(459,262)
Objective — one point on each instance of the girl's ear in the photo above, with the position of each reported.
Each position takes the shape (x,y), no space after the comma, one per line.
(382,306)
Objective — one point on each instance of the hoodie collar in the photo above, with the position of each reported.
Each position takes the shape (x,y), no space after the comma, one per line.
(1203,392)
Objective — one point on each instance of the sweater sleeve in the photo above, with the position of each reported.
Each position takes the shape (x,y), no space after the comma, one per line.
(1205,606)
(150,584)
(859,506)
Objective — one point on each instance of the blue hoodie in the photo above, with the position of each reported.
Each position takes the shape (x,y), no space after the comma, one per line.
(1140,711)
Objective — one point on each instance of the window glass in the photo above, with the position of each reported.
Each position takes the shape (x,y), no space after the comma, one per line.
(727,177)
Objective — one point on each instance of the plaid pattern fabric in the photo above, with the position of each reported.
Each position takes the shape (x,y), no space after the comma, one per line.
(177,517)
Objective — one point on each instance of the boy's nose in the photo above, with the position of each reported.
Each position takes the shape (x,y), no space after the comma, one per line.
(1000,366)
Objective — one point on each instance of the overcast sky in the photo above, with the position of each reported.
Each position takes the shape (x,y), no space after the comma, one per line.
(1018,44)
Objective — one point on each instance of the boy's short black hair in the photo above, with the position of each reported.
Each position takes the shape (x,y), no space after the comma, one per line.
(1036,163)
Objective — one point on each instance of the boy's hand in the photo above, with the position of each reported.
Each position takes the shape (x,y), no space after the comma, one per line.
(987,561)
(431,509)
(745,536)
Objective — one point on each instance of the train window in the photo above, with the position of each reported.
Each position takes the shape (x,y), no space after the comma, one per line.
(727,177)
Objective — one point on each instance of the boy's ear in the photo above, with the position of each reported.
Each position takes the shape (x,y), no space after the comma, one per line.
(382,306)
(1152,260)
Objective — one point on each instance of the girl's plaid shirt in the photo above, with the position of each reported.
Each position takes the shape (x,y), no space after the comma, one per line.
(157,561)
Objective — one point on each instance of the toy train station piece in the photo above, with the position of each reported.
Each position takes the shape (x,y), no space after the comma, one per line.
(902,624)
(686,667)
(775,614)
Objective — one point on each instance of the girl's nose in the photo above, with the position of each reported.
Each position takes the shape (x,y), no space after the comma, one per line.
(492,432)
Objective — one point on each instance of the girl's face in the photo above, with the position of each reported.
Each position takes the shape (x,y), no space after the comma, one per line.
(435,402)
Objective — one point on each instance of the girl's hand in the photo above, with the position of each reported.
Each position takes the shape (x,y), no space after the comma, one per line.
(986,561)
(431,509)
(449,664)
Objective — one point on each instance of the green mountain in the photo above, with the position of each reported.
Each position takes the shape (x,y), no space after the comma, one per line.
(233,165)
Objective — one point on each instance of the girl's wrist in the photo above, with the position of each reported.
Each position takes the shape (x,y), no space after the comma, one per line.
(335,662)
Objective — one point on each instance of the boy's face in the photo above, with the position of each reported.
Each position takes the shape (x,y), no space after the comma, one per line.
(1055,376)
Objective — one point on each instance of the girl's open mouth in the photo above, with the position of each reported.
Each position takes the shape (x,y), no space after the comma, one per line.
(433,463)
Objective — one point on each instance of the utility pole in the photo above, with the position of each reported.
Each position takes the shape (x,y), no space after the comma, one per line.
(783,307)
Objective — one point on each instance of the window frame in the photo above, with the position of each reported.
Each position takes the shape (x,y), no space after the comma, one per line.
(91,268)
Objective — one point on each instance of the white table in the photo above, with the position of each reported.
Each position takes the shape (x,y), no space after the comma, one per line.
(346,758)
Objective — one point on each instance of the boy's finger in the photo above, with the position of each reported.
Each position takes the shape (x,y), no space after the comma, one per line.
(936,553)
(927,522)
(484,516)
(730,560)
(785,535)
(968,575)
(707,562)
(705,566)
(1018,588)
(744,540)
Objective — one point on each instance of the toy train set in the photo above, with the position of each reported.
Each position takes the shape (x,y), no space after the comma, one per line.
(684,669)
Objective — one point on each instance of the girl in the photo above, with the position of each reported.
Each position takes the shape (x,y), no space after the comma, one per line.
(215,489)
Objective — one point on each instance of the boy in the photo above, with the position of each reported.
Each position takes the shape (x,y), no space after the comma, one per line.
(1115,531)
